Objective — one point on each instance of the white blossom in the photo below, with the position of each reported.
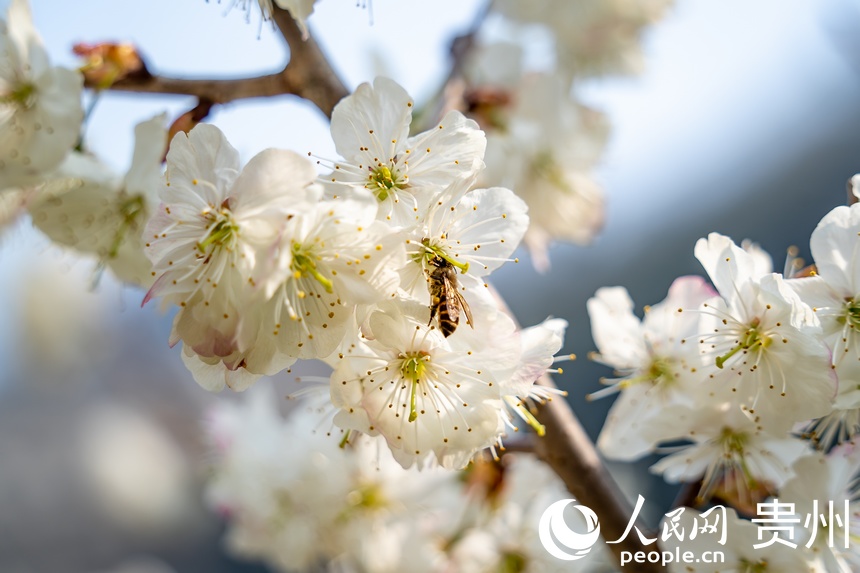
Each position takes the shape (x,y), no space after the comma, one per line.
(592,36)
(406,174)
(761,344)
(40,105)
(475,234)
(501,533)
(727,449)
(105,216)
(431,397)
(544,147)
(325,262)
(212,227)
(297,496)
(821,483)
(834,295)
(538,346)
(655,366)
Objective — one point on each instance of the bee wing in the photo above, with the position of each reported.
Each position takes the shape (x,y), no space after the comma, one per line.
(462,304)
(452,301)
(467,310)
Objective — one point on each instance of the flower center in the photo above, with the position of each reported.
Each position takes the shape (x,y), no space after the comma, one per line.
(23,95)
(130,209)
(734,446)
(413,367)
(305,263)
(733,442)
(383,179)
(850,313)
(432,251)
(544,166)
(751,339)
(750,567)
(512,562)
(223,231)
(367,496)
(659,370)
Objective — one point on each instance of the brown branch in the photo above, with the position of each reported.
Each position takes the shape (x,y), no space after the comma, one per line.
(216,91)
(523,444)
(570,452)
(309,70)
(308,75)
(688,495)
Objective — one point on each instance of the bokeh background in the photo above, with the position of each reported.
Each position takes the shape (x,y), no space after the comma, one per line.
(745,120)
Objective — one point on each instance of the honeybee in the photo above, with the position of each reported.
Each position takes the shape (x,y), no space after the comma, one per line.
(445,297)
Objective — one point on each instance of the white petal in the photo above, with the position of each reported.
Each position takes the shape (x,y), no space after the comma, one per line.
(453,149)
(215,377)
(834,246)
(685,294)
(539,346)
(728,266)
(202,155)
(150,144)
(489,225)
(615,329)
(275,179)
(371,118)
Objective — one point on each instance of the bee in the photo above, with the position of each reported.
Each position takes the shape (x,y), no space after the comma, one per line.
(445,297)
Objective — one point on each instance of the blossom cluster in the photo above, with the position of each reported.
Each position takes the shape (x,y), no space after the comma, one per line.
(299,501)
(542,140)
(375,262)
(376,266)
(749,379)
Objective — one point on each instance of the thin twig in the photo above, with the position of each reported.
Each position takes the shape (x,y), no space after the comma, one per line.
(215,90)
(308,75)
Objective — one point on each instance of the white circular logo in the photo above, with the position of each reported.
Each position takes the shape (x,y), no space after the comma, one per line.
(552,528)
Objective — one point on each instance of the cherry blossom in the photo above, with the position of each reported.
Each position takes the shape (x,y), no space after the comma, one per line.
(406,174)
(40,105)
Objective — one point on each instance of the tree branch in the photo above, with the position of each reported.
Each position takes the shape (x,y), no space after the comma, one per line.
(216,91)
(308,75)
(570,452)
(309,70)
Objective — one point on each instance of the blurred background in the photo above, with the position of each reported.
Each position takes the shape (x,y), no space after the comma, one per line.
(745,121)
